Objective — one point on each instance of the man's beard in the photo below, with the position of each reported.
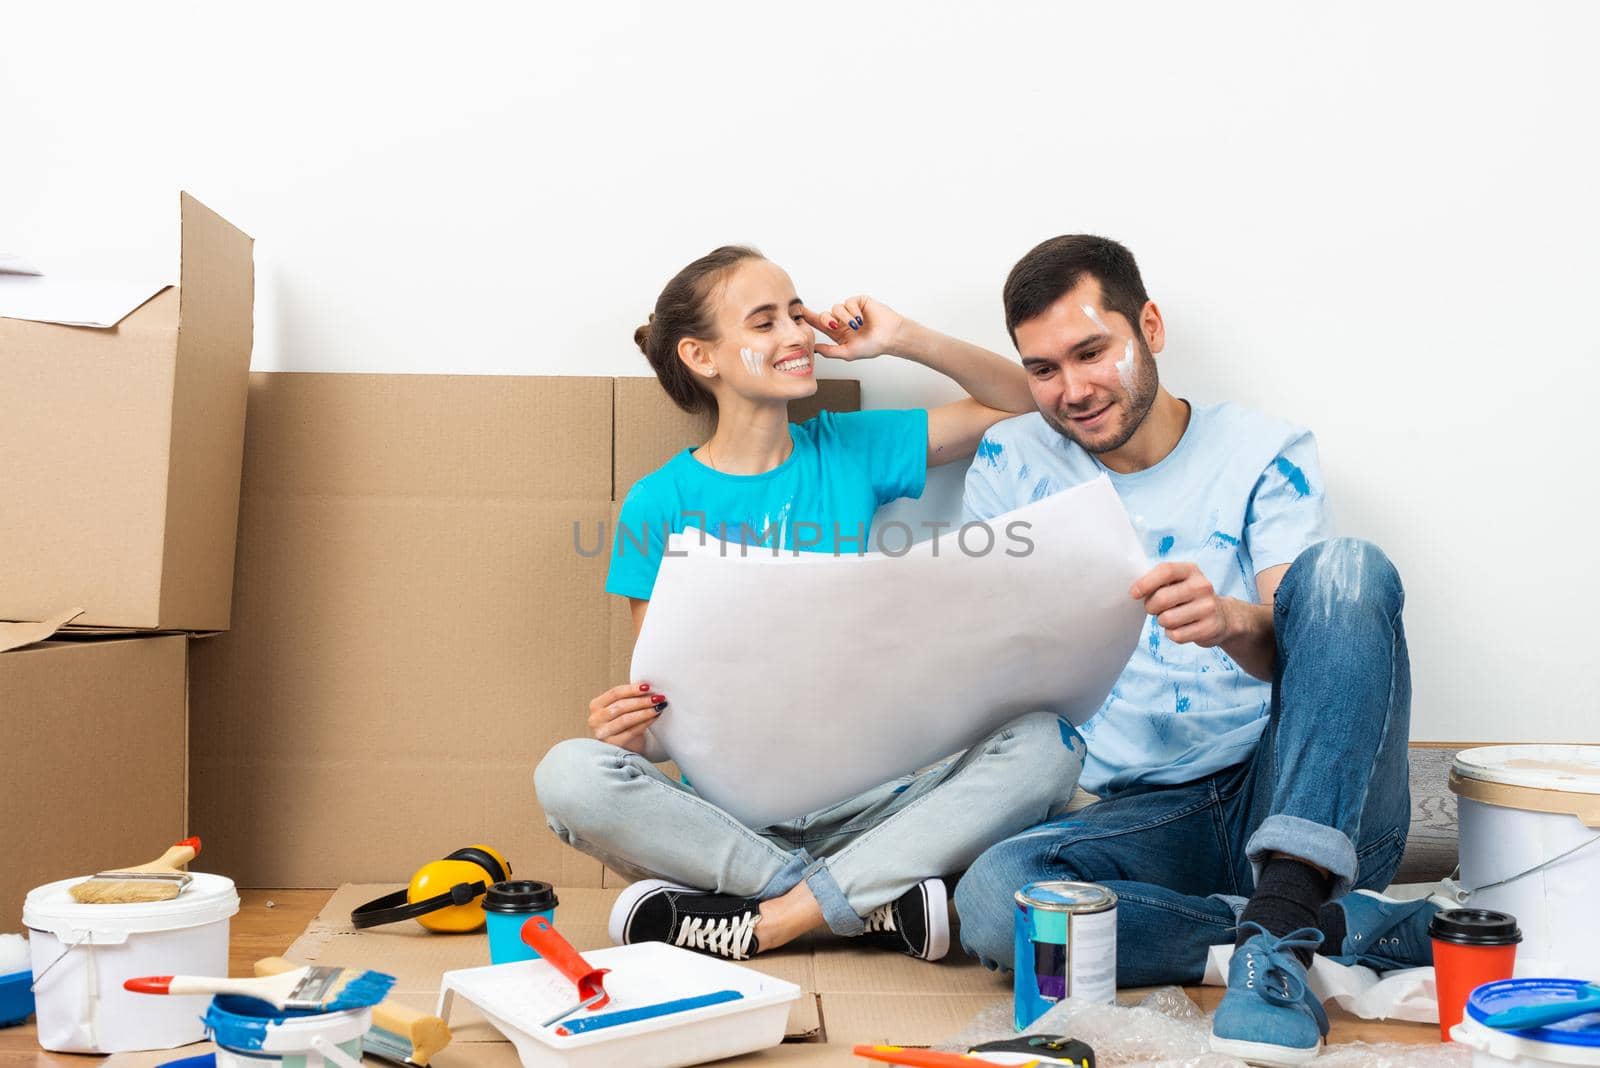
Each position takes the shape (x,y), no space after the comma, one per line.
(1134,403)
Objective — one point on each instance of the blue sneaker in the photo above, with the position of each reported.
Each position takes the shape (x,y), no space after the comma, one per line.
(1269,1014)
(1384,934)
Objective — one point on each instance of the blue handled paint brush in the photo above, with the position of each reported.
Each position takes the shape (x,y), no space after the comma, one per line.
(309,989)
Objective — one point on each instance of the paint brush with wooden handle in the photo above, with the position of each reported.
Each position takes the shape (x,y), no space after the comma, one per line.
(399,1032)
(160,880)
(307,989)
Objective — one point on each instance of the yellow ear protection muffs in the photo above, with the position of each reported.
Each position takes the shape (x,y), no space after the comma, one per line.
(442,896)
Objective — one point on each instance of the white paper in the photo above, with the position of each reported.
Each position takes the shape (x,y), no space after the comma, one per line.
(73,301)
(11,263)
(800,680)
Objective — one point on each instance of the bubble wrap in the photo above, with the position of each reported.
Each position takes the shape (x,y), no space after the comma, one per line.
(1167,1030)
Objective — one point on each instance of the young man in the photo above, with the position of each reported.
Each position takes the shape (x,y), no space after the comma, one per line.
(1251,759)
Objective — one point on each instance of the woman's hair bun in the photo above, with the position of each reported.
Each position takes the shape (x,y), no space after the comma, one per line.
(641,336)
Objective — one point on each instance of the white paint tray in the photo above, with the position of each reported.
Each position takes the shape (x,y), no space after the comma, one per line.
(518,997)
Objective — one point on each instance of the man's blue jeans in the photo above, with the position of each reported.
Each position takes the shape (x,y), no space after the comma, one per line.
(1328,783)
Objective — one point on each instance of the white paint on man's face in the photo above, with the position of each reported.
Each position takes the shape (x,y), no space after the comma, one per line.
(754,362)
(1094,317)
(1125,365)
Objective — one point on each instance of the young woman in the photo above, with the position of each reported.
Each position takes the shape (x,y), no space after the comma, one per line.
(730,333)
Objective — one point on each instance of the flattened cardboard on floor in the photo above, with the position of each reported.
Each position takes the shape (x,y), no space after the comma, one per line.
(122,449)
(417,958)
(93,762)
(503,1054)
(415,625)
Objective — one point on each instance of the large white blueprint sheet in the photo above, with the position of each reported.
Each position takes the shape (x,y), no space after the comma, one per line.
(798,680)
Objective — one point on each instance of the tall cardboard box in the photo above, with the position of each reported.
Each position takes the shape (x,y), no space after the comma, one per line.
(93,758)
(419,617)
(418,620)
(121,449)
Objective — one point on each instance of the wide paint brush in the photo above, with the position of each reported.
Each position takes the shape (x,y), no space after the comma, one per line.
(399,1033)
(310,989)
(159,880)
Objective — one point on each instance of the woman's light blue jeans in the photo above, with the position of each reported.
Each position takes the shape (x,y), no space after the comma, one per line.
(855,856)
(1328,783)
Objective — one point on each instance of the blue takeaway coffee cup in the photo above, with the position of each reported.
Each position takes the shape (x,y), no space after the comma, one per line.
(508,906)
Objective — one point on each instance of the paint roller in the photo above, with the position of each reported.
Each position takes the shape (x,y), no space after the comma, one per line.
(399,1033)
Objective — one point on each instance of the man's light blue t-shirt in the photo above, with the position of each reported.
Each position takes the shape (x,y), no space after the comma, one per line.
(1241,492)
(821,499)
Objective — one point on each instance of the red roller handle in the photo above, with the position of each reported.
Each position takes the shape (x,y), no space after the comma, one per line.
(553,947)
(149,984)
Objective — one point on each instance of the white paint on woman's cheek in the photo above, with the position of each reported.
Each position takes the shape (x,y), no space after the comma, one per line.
(1094,317)
(1125,365)
(754,362)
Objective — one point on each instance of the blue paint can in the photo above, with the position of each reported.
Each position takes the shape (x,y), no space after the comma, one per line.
(508,906)
(1065,946)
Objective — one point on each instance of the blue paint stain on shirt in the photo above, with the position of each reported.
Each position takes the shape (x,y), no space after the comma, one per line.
(1223,476)
(1296,477)
(1069,737)
(1044,488)
(1165,545)
(1022,473)
(1180,703)
(989,451)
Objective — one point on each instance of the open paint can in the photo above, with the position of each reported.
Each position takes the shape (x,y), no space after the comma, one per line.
(82,953)
(253,1034)
(1066,946)
(1530,845)
(508,906)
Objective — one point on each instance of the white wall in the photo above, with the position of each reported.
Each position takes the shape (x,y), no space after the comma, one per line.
(1379,220)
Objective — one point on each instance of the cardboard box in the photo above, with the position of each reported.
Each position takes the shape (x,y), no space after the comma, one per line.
(413,628)
(122,449)
(93,755)
(419,615)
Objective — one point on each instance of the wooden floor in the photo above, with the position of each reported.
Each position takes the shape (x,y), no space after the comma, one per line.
(269,920)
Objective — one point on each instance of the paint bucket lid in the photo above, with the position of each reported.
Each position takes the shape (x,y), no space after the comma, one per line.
(1559,779)
(1062,896)
(1570,768)
(1475,927)
(520,895)
(50,908)
(1491,998)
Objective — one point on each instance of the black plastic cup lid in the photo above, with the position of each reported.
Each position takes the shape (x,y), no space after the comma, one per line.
(1475,927)
(520,895)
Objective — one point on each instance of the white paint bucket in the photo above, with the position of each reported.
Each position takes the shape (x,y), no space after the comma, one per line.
(83,953)
(1505,1049)
(1530,846)
(249,1035)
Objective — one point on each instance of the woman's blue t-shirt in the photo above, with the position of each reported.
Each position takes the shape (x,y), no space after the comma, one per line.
(821,499)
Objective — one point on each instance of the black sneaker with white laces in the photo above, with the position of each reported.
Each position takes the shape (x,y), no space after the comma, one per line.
(718,925)
(917,923)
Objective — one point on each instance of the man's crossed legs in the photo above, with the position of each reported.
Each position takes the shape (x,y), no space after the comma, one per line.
(1328,785)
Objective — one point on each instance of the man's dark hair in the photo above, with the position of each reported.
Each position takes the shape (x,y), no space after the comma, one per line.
(1050,270)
